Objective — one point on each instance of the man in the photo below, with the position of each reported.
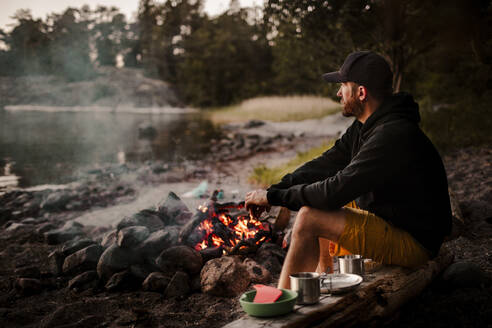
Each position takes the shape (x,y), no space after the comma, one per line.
(384,162)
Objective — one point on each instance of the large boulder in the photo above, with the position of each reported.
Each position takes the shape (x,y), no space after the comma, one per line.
(146,218)
(82,260)
(130,237)
(225,276)
(70,230)
(158,241)
(116,259)
(179,258)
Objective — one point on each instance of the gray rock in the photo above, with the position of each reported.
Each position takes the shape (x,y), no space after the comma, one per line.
(56,201)
(116,259)
(173,210)
(156,282)
(195,284)
(463,275)
(109,239)
(29,221)
(159,168)
(159,240)
(121,281)
(271,256)
(182,258)
(82,260)
(253,124)
(225,276)
(45,227)
(257,272)
(83,281)
(211,253)
(141,271)
(16,226)
(179,286)
(146,218)
(28,286)
(28,272)
(55,260)
(69,231)
(73,246)
(146,131)
(132,236)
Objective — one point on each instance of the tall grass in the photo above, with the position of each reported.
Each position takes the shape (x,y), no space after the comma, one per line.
(276,109)
(265,176)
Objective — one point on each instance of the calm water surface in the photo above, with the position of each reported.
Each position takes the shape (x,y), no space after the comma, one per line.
(52,147)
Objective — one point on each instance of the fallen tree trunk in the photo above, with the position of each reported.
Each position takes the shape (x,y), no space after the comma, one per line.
(383,298)
(373,301)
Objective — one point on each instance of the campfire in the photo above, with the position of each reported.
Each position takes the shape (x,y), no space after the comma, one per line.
(225,229)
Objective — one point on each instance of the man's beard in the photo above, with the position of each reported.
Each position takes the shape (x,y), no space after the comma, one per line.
(352,107)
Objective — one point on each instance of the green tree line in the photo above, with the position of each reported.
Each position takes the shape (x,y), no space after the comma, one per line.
(440,51)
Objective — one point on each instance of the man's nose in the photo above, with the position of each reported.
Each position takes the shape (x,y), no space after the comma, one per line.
(339,93)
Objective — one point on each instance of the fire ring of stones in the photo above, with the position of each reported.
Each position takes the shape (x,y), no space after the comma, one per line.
(218,250)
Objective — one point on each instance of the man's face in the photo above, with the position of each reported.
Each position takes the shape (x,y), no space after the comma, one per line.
(348,93)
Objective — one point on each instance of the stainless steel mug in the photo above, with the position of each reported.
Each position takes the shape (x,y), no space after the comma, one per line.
(307,286)
(351,264)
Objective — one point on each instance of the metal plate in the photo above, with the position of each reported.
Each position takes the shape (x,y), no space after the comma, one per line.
(340,283)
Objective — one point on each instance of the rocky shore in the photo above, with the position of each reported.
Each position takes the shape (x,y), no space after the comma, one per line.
(58,271)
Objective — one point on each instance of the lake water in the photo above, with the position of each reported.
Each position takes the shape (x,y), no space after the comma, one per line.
(52,147)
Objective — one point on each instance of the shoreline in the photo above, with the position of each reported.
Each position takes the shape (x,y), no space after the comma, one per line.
(100,109)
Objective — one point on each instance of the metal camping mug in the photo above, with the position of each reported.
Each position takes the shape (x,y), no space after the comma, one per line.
(351,264)
(307,286)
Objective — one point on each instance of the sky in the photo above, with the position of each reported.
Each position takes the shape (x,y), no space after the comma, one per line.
(40,9)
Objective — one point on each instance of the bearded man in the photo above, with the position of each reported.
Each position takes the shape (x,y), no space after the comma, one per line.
(383,166)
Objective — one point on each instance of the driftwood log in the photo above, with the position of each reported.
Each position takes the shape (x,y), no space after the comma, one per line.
(372,302)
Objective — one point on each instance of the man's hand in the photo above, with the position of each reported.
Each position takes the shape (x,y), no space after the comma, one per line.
(256,202)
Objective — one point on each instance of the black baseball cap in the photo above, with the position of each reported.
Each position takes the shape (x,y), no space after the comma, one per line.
(366,68)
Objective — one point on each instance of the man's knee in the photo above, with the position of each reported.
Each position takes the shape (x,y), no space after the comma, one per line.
(313,222)
(303,224)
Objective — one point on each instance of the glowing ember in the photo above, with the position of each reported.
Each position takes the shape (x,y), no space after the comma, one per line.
(222,229)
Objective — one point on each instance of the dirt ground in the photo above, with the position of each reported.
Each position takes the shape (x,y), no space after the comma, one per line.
(470,177)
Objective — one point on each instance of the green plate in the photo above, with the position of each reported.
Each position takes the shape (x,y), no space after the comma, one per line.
(283,305)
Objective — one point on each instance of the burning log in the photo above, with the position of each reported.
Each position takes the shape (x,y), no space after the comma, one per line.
(244,247)
(227,226)
(211,253)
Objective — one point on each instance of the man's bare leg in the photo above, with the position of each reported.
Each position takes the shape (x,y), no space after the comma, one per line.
(303,254)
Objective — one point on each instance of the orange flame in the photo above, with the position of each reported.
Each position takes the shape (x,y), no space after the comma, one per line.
(239,228)
(217,241)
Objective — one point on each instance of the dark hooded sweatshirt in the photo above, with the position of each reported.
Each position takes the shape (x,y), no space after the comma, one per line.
(387,165)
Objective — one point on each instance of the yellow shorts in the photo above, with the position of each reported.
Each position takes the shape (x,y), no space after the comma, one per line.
(372,237)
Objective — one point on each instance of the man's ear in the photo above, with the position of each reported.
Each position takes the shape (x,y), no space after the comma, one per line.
(362,93)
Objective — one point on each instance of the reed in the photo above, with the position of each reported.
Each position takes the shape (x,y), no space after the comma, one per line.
(276,109)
